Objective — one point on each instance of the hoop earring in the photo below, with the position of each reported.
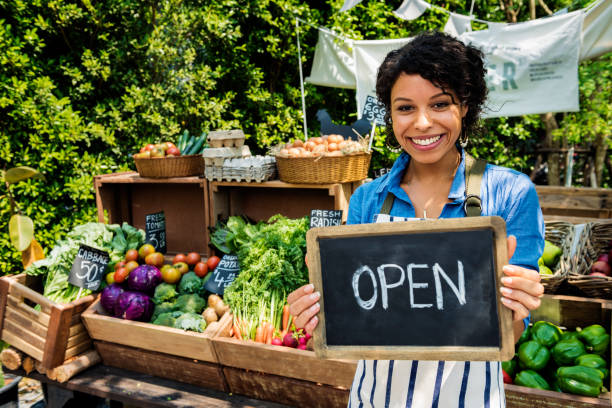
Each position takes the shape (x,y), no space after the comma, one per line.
(463,138)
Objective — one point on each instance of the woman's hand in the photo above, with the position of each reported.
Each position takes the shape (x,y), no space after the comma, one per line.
(522,289)
(303,306)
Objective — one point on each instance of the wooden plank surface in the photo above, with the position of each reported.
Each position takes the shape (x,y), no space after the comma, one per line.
(284,361)
(162,365)
(284,390)
(20,344)
(134,178)
(143,390)
(4,291)
(214,185)
(20,291)
(24,321)
(57,336)
(29,337)
(523,397)
(35,315)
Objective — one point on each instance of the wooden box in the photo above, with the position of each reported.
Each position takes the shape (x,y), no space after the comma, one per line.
(282,374)
(49,335)
(156,350)
(575,202)
(260,201)
(184,201)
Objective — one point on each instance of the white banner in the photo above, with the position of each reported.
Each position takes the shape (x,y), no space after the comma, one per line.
(333,63)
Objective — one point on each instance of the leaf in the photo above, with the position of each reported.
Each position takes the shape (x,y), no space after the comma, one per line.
(32,254)
(17,174)
(21,231)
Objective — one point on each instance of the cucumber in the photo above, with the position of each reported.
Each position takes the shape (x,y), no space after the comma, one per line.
(180,141)
(188,146)
(197,147)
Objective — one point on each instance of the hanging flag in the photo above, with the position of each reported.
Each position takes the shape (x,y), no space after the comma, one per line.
(411,9)
(333,63)
(349,4)
(458,24)
(495,26)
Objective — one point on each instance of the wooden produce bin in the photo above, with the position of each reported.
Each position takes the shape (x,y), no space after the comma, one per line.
(160,351)
(184,201)
(568,312)
(260,201)
(575,202)
(49,335)
(282,374)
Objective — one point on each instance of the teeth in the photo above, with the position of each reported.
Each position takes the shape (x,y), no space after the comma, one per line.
(425,142)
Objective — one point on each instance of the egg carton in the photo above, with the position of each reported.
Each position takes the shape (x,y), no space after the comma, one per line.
(226,138)
(214,156)
(257,169)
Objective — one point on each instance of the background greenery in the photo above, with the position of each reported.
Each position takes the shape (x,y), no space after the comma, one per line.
(83,83)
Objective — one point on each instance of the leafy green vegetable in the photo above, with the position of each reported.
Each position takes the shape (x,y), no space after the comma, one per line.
(164,292)
(56,267)
(167,319)
(190,321)
(162,308)
(190,303)
(190,283)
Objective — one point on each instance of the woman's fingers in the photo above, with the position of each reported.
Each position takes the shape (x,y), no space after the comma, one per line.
(522,279)
(303,306)
(520,311)
(511,242)
(306,317)
(299,292)
(530,302)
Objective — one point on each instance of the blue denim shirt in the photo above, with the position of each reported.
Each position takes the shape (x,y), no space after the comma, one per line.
(503,192)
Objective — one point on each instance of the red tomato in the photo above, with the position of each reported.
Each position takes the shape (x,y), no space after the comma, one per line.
(201,269)
(149,147)
(120,264)
(179,258)
(193,258)
(131,255)
(130,266)
(212,262)
(121,274)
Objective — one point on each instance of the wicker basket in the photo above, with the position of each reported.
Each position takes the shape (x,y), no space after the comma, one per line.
(561,234)
(594,241)
(323,169)
(171,166)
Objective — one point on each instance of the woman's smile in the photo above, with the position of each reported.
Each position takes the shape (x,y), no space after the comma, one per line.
(427,142)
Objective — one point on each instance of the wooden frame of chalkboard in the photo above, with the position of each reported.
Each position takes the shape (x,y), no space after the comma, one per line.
(342,258)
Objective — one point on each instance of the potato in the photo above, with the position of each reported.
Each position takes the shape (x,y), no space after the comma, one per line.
(213,300)
(212,327)
(209,315)
(221,308)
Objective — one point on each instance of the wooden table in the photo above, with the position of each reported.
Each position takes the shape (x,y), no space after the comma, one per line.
(139,390)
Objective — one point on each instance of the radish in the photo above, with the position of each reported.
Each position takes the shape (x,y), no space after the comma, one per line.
(602,267)
(302,341)
(290,341)
(307,336)
(276,341)
(301,347)
(604,257)
(598,274)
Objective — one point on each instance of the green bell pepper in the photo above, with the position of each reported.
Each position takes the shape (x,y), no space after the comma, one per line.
(531,379)
(566,352)
(510,367)
(533,355)
(593,361)
(546,333)
(569,335)
(580,380)
(595,338)
(525,336)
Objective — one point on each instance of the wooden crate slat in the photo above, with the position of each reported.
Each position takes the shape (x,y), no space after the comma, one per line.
(29,337)
(76,329)
(19,291)
(24,321)
(77,339)
(33,314)
(21,344)
(523,397)
(163,365)
(57,336)
(78,349)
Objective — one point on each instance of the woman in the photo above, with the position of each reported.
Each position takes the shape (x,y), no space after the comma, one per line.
(433,90)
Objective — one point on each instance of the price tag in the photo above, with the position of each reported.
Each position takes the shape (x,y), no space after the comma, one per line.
(224,274)
(373,110)
(325,218)
(88,267)
(155,229)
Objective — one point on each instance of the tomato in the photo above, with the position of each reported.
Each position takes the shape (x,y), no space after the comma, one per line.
(170,274)
(110,278)
(169,145)
(121,274)
(173,151)
(155,259)
(145,250)
(201,269)
(193,258)
(149,147)
(179,258)
(130,266)
(182,267)
(131,255)
(120,264)
(212,262)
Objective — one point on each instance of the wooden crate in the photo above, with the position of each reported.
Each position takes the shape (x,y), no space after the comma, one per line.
(575,202)
(184,201)
(50,335)
(260,201)
(157,350)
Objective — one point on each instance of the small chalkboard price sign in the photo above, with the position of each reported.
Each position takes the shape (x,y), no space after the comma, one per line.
(155,230)
(325,218)
(417,290)
(373,110)
(88,267)
(224,274)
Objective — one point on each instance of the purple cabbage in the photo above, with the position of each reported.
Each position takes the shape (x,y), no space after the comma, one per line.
(144,279)
(108,298)
(134,306)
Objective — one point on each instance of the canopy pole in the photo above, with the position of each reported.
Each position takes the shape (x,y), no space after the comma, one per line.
(297,32)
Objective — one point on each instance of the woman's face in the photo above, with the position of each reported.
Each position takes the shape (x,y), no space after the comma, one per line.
(426,119)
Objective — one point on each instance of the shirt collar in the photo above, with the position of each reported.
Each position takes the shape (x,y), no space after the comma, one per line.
(394,177)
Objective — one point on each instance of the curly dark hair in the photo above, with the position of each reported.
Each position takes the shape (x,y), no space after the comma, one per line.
(444,61)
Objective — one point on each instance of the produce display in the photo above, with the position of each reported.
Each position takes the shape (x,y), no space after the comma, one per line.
(548,358)
(185,145)
(114,239)
(328,145)
(550,258)
(271,257)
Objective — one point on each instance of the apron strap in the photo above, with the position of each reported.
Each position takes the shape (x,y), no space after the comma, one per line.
(474,170)
(387,204)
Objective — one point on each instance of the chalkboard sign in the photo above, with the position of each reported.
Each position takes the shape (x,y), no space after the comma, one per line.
(224,274)
(418,290)
(373,110)
(381,172)
(155,229)
(88,267)
(325,218)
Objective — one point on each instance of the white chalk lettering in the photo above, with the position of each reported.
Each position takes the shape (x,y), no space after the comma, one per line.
(365,304)
(383,282)
(459,292)
(413,286)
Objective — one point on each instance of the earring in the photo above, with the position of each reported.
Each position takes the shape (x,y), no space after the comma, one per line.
(463,138)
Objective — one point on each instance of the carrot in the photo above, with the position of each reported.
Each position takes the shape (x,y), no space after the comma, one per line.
(270,334)
(236,330)
(285,317)
(259,333)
